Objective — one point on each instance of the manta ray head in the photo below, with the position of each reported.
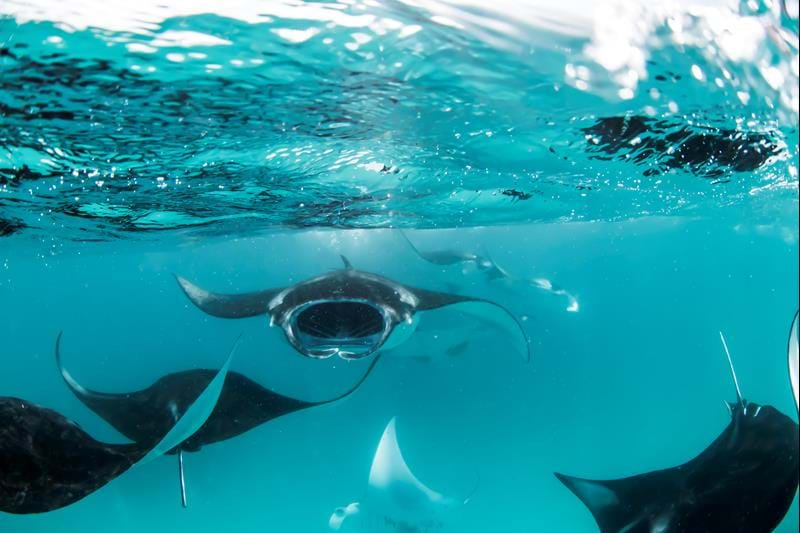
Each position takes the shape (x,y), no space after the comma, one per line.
(340,514)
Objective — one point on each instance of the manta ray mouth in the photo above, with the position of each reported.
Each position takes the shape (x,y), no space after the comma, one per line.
(351,329)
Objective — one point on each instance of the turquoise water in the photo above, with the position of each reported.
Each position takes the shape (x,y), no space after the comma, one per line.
(246,146)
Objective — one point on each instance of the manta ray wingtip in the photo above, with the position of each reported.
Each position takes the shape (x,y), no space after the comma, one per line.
(596,495)
(79,390)
(563,478)
(187,286)
(58,349)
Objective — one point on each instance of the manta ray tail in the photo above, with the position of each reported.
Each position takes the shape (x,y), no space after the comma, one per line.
(733,371)
(358,383)
(182,480)
(603,501)
(228,305)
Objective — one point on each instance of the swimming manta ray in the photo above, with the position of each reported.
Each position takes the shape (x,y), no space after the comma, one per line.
(395,499)
(490,268)
(794,365)
(347,312)
(144,415)
(48,462)
(744,481)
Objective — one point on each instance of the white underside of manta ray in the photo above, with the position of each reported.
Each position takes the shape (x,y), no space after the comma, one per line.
(794,365)
(395,500)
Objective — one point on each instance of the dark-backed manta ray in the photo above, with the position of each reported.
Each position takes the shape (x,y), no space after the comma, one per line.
(143,415)
(395,500)
(347,312)
(449,257)
(48,462)
(484,262)
(744,481)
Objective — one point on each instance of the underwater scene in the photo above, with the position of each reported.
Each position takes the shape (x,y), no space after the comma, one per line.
(399,266)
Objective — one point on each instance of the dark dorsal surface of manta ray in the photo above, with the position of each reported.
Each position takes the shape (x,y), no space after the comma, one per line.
(484,262)
(143,415)
(48,462)
(744,481)
(347,312)
(395,500)
(451,257)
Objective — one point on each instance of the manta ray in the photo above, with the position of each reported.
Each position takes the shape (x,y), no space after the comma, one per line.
(395,499)
(744,481)
(143,415)
(484,262)
(347,312)
(48,462)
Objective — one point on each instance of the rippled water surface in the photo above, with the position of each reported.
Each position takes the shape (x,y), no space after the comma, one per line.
(125,118)
(632,167)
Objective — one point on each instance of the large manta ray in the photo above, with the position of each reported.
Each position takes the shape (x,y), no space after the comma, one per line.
(347,312)
(144,415)
(744,481)
(395,500)
(48,462)
(484,262)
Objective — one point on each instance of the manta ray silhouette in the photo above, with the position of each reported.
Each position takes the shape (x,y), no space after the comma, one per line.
(48,462)
(144,415)
(347,312)
(395,499)
(484,262)
(744,481)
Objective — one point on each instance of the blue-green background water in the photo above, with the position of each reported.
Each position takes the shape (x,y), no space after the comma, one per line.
(122,166)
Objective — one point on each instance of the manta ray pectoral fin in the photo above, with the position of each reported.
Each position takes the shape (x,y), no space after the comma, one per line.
(195,416)
(594,493)
(601,500)
(472,492)
(81,392)
(416,250)
(181,478)
(228,305)
(391,476)
(428,300)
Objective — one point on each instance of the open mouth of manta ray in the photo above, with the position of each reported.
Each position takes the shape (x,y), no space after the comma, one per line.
(351,329)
